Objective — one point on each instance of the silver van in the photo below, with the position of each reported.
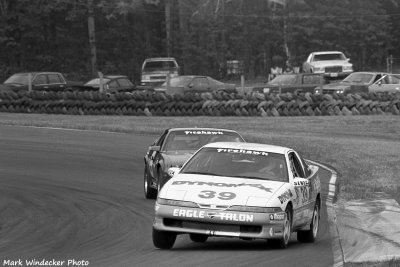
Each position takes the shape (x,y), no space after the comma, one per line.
(156,70)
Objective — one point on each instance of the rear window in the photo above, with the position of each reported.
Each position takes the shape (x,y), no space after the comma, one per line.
(19,78)
(194,139)
(159,65)
(333,56)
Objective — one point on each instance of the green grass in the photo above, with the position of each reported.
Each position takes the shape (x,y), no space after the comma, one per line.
(365,150)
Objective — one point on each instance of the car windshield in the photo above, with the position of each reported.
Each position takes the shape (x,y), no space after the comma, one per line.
(284,79)
(365,78)
(194,139)
(238,163)
(157,65)
(19,78)
(179,81)
(333,56)
(97,81)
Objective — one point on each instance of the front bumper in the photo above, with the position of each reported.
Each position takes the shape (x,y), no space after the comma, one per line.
(211,222)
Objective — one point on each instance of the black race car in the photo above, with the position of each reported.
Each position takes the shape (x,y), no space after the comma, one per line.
(173,148)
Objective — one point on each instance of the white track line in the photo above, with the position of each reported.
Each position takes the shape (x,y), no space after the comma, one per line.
(337,249)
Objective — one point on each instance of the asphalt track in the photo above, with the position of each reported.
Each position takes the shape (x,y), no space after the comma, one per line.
(78,195)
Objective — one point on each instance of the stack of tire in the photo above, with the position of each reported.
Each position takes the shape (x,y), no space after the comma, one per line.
(142,103)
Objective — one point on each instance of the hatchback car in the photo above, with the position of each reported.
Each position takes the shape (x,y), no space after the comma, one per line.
(242,190)
(112,84)
(195,84)
(173,148)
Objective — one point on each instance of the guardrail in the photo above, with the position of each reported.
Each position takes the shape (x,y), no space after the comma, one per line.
(196,104)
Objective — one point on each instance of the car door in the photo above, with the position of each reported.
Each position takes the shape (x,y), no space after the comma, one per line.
(55,82)
(39,82)
(303,204)
(387,83)
(154,155)
(199,84)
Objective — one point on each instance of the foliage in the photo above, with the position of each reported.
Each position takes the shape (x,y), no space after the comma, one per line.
(53,35)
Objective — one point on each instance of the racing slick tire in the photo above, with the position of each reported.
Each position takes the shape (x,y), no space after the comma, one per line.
(149,192)
(199,238)
(309,236)
(287,231)
(163,239)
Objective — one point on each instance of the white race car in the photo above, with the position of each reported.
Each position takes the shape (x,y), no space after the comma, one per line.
(244,190)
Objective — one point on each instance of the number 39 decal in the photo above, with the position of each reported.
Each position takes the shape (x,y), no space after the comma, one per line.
(221,195)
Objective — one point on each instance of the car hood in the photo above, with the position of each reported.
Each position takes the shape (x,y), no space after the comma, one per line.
(196,188)
(177,158)
(336,86)
(331,63)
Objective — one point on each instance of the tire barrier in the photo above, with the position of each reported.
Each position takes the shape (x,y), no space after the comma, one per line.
(199,104)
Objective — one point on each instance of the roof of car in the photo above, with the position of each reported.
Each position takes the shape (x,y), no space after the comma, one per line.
(327,52)
(115,76)
(160,59)
(200,129)
(37,72)
(250,146)
(369,72)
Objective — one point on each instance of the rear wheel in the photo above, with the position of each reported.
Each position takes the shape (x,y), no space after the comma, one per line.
(163,239)
(309,236)
(149,192)
(199,238)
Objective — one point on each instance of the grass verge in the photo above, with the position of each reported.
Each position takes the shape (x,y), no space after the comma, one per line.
(363,149)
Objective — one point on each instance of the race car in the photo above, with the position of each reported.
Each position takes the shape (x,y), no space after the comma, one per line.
(243,190)
(173,148)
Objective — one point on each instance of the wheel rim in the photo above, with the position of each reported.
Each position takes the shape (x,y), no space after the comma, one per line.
(315,220)
(286,229)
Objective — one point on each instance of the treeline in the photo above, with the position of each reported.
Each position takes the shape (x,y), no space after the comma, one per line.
(202,34)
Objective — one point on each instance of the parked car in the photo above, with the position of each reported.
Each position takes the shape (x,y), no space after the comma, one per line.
(191,83)
(332,64)
(293,83)
(240,190)
(363,82)
(156,70)
(40,81)
(173,148)
(112,84)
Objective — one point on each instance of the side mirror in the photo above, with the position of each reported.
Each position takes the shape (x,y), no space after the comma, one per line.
(300,181)
(155,148)
(172,171)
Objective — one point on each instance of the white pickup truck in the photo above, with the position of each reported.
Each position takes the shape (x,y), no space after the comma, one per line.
(332,64)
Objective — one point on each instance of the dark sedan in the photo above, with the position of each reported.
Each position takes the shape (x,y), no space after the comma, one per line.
(293,83)
(173,148)
(198,84)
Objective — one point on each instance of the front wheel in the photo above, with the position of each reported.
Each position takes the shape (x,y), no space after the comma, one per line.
(149,192)
(309,236)
(163,239)
(287,231)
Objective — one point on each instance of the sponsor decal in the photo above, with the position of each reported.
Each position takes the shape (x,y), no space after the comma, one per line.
(242,151)
(259,186)
(303,194)
(277,216)
(301,183)
(204,132)
(285,196)
(223,216)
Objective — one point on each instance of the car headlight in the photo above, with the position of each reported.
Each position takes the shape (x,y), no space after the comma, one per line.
(340,91)
(266,90)
(317,91)
(171,202)
(255,209)
(348,67)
